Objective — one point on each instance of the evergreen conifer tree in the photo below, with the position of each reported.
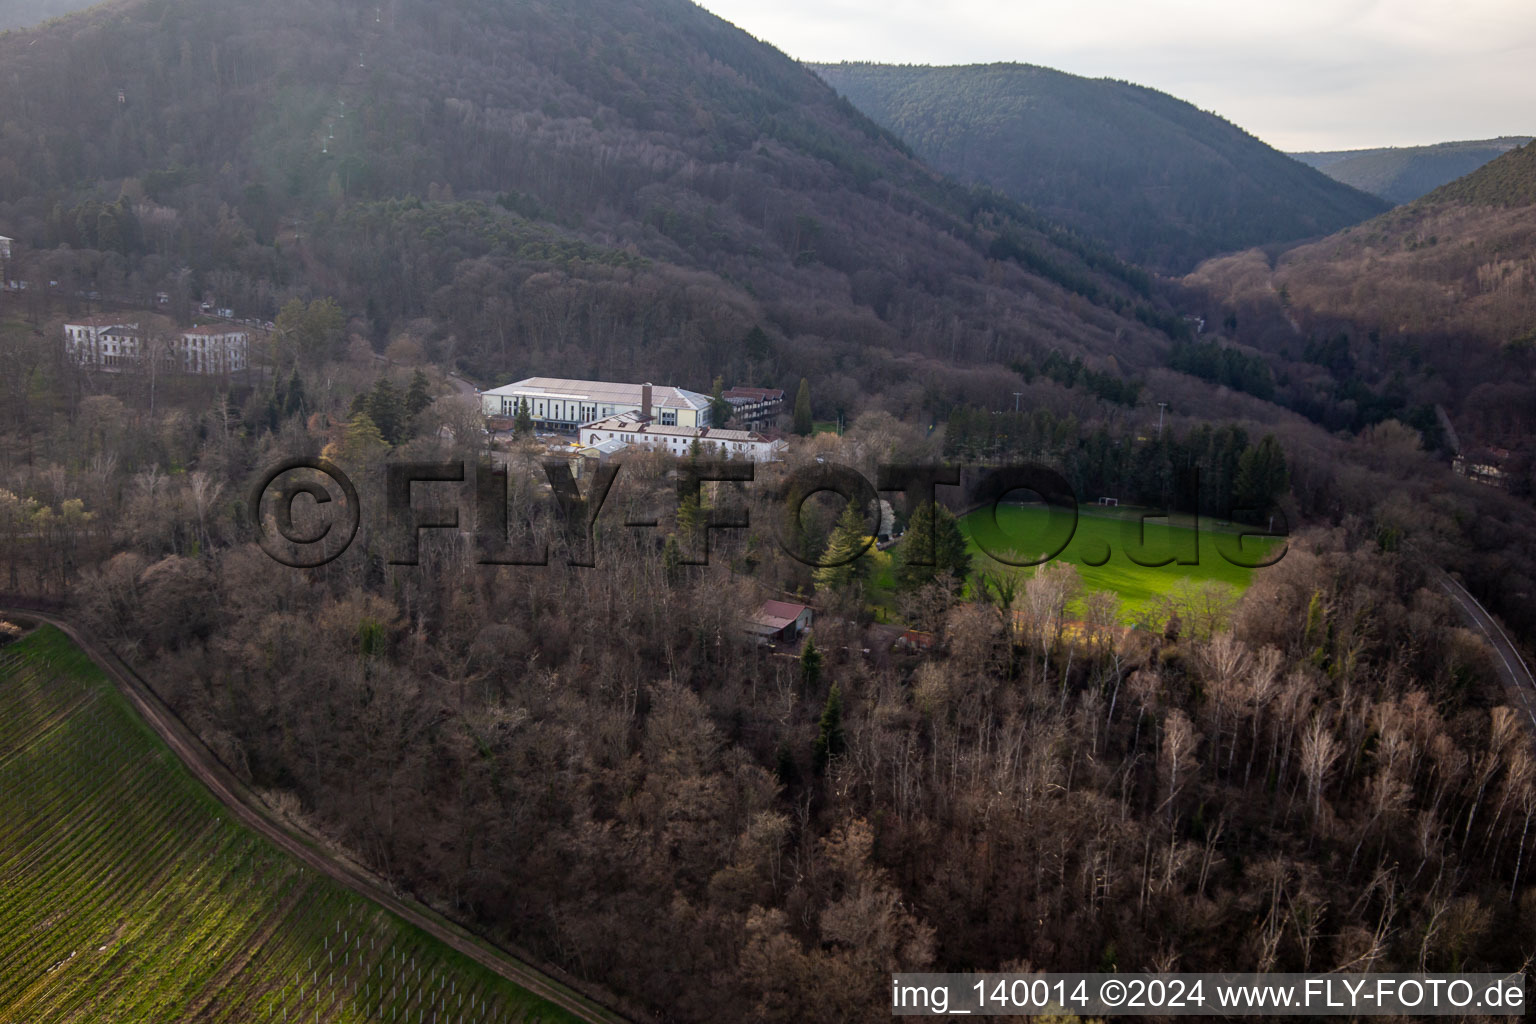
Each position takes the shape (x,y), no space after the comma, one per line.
(950,556)
(810,664)
(419,395)
(843,563)
(295,403)
(1262,476)
(387,410)
(803,424)
(361,443)
(719,409)
(830,741)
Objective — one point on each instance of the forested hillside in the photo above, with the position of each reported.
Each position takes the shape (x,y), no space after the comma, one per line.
(969,765)
(20,13)
(600,764)
(1403,174)
(1435,301)
(1509,181)
(1163,182)
(624,186)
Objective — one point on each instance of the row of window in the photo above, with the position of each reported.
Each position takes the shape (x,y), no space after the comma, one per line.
(680,445)
(560,412)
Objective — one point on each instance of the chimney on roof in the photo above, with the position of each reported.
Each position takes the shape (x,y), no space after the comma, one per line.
(645,402)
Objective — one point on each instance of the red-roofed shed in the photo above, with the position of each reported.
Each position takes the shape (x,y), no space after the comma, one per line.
(776,621)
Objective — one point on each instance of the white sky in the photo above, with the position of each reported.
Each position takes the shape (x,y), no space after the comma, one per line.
(1303,74)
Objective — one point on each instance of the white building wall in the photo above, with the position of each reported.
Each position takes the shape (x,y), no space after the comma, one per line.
(227,352)
(119,347)
(678,445)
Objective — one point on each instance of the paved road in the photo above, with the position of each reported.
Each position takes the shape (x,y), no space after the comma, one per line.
(1511,663)
(233,794)
(461,385)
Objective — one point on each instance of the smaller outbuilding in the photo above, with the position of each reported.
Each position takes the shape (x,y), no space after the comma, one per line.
(780,622)
(604,450)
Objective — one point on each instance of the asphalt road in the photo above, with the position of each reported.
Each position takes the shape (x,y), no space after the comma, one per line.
(460,385)
(244,805)
(1511,663)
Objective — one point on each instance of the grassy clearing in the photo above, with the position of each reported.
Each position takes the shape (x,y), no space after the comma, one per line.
(128,894)
(1023,532)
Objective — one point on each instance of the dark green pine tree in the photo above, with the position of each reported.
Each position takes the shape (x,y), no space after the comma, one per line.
(522,424)
(1262,476)
(719,409)
(803,424)
(757,345)
(843,563)
(810,665)
(273,414)
(419,395)
(830,741)
(950,555)
(692,518)
(387,410)
(786,768)
(295,403)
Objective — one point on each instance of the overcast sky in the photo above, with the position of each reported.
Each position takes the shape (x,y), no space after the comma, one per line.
(1302,74)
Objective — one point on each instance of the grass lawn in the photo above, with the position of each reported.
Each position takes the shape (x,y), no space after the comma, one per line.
(1023,532)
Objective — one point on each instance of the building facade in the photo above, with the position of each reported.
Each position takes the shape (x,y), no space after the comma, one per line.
(212,350)
(116,345)
(754,406)
(1483,466)
(103,343)
(565,405)
(713,443)
(5,247)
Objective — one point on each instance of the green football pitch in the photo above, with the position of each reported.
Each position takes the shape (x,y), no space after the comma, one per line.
(1107,551)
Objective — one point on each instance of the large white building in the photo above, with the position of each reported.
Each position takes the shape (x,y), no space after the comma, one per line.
(103,342)
(557,403)
(212,350)
(5,247)
(678,440)
(115,344)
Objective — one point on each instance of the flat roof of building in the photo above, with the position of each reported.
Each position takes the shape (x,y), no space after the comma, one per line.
(212,330)
(601,392)
(753,394)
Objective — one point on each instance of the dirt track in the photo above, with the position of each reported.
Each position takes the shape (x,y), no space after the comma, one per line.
(233,794)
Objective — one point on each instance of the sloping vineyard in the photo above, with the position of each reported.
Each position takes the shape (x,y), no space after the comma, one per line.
(128,893)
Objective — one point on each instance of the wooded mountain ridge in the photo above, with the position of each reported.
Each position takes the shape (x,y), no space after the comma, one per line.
(1436,299)
(621,187)
(1401,174)
(21,13)
(1163,182)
